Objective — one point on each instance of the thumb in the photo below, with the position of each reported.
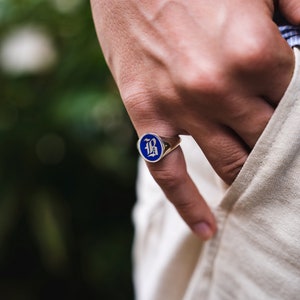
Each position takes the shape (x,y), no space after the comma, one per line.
(291,10)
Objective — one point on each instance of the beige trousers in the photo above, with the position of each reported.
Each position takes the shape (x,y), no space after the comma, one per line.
(256,253)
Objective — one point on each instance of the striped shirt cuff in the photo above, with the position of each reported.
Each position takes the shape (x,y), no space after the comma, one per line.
(291,34)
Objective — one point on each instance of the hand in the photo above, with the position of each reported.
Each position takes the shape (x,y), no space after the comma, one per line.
(212,69)
(291,10)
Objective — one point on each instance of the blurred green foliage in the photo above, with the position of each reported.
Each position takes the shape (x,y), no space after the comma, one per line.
(67,164)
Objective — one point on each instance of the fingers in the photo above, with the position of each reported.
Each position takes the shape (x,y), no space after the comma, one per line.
(249,118)
(171,174)
(224,149)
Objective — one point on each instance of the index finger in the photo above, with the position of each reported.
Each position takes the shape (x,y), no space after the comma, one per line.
(171,175)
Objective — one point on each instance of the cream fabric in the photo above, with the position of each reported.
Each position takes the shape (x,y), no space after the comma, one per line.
(256,253)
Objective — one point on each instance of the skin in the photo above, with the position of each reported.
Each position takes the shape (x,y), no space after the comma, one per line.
(214,70)
(291,10)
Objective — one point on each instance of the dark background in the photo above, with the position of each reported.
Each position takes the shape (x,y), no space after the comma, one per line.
(67,160)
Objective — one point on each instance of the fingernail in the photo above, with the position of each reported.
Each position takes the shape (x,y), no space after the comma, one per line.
(203,231)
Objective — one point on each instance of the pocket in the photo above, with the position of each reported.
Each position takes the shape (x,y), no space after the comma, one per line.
(276,146)
(258,217)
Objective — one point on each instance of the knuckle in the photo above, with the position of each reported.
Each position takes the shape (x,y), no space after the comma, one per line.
(202,79)
(231,168)
(138,101)
(252,53)
(167,179)
(148,110)
(141,109)
(186,207)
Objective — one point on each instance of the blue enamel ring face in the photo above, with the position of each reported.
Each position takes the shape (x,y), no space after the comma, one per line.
(151,147)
